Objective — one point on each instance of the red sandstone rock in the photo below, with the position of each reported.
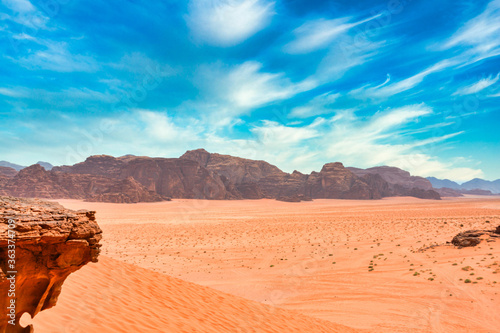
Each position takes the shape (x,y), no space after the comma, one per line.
(127,191)
(202,175)
(36,182)
(401,183)
(7,172)
(50,243)
(257,179)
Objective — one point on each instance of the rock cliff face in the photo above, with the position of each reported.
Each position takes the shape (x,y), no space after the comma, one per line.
(448,192)
(7,172)
(336,182)
(199,174)
(99,165)
(36,182)
(238,170)
(127,191)
(401,183)
(176,178)
(259,179)
(167,177)
(394,176)
(50,243)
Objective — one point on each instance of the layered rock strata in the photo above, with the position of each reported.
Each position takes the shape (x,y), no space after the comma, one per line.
(41,244)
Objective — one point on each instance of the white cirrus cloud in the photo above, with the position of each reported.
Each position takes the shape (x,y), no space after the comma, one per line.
(272,133)
(12,92)
(57,57)
(320,33)
(227,22)
(480,35)
(19,6)
(388,89)
(246,86)
(478,86)
(319,105)
(23,12)
(376,141)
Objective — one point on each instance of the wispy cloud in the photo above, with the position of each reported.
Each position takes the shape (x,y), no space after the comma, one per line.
(19,6)
(374,141)
(55,56)
(68,97)
(388,89)
(247,86)
(478,86)
(480,31)
(481,35)
(273,133)
(319,105)
(23,12)
(345,46)
(227,22)
(162,128)
(12,92)
(320,33)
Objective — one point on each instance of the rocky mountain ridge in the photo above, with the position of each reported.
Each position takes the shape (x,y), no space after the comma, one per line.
(199,174)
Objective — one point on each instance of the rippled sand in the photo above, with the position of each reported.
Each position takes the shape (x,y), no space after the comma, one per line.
(354,263)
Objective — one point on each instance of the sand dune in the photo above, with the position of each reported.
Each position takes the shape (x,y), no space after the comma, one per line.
(113,296)
(356,263)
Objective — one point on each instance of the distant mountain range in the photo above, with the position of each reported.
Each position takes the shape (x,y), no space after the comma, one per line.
(17,167)
(474,184)
(203,175)
(199,174)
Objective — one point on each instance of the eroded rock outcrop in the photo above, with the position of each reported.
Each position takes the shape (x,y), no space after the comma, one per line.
(258,179)
(7,172)
(474,237)
(127,191)
(199,174)
(36,182)
(167,177)
(334,181)
(401,182)
(51,242)
(448,192)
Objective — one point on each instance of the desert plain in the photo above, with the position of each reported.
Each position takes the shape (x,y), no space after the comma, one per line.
(270,266)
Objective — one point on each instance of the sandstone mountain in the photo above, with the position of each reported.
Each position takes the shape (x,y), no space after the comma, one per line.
(51,243)
(127,191)
(333,181)
(199,174)
(448,192)
(401,182)
(7,172)
(36,182)
(168,177)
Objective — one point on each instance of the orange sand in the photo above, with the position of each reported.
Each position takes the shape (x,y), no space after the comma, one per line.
(312,257)
(113,296)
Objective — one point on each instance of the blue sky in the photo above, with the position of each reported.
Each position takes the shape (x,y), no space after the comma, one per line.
(299,83)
